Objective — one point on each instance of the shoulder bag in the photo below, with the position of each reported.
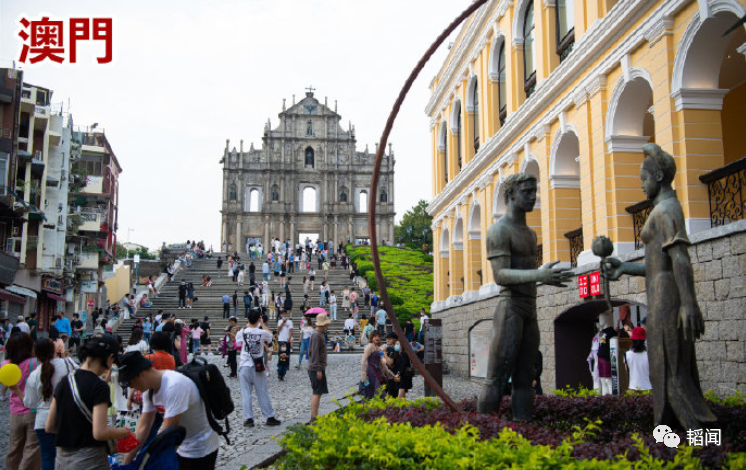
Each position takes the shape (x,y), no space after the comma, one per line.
(111,445)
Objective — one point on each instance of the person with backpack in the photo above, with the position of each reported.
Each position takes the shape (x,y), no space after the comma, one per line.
(252,371)
(179,398)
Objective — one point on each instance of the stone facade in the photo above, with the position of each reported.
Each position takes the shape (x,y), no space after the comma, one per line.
(307,154)
(719,263)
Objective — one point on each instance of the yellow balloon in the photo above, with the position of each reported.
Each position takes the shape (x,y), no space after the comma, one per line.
(10,374)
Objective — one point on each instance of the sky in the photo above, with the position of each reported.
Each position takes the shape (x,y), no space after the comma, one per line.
(188,75)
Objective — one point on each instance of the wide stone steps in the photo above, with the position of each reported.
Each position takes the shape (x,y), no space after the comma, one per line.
(209,299)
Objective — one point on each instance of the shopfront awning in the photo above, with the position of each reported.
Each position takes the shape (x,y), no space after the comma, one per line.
(21,291)
(9,296)
(54,296)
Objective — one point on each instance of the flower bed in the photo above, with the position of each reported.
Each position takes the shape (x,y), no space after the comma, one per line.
(568,432)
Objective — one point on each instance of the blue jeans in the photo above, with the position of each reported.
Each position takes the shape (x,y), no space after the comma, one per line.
(303,350)
(265,276)
(48,450)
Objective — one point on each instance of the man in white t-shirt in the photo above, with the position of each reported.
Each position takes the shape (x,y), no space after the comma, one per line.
(252,370)
(178,397)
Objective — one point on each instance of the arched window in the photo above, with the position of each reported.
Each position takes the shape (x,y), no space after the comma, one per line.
(475,121)
(254,200)
(343,196)
(363,201)
(502,101)
(565,12)
(384,196)
(309,200)
(443,147)
(529,59)
(309,156)
(458,136)
(275,193)
(233,196)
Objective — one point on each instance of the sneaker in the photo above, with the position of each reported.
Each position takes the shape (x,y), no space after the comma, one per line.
(297,366)
(249,423)
(273,421)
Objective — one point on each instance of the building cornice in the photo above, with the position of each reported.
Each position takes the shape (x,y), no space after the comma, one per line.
(592,47)
(460,61)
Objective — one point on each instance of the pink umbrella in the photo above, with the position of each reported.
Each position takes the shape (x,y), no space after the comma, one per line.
(315,311)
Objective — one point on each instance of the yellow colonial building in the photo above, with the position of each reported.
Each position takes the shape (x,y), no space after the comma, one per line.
(569,91)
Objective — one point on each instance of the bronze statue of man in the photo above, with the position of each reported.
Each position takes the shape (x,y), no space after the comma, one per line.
(511,249)
(674,318)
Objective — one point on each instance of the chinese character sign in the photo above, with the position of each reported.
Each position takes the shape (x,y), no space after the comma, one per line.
(595,282)
(583,286)
(46,39)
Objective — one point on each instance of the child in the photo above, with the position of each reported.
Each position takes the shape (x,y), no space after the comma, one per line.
(284,363)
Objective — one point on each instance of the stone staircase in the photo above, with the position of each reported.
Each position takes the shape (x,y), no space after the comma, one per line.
(209,299)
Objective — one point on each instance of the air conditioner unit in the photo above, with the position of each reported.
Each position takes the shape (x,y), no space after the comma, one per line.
(16,231)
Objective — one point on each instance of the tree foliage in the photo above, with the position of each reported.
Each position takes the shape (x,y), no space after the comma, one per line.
(122,253)
(415,229)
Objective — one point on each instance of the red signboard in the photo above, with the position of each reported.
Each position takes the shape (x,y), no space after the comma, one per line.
(91,303)
(583,286)
(595,281)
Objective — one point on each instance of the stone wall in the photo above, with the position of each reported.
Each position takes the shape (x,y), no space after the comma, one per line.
(719,264)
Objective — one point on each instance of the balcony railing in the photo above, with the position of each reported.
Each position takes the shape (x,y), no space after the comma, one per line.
(576,245)
(640,213)
(726,187)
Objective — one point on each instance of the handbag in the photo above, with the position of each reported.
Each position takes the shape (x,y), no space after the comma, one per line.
(111,445)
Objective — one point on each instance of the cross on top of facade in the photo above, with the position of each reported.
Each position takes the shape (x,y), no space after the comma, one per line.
(310,90)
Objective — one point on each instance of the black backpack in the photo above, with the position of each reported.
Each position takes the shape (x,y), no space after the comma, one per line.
(213,391)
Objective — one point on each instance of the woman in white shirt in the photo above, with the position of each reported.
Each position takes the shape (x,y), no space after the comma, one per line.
(636,362)
(40,387)
(137,343)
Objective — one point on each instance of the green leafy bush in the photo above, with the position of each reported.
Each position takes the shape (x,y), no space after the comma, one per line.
(348,440)
(572,392)
(395,299)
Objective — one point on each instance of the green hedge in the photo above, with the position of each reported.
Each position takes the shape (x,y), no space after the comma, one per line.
(344,440)
(408,275)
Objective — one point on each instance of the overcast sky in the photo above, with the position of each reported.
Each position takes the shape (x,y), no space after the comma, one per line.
(188,75)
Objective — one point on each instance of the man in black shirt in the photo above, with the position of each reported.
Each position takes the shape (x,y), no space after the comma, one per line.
(77,332)
(182,294)
(205,337)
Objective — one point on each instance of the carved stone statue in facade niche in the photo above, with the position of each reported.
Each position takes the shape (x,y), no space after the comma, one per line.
(511,249)
(674,319)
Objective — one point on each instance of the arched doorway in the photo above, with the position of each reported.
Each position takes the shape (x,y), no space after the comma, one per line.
(574,330)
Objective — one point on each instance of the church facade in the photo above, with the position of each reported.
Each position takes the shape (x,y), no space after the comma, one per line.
(307,180)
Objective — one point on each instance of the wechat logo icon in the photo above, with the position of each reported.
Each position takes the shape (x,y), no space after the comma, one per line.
(665,434)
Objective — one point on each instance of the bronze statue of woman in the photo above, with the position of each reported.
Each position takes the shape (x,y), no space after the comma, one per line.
(674,318)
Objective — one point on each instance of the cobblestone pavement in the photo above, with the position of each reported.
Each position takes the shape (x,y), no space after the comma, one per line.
(291,401)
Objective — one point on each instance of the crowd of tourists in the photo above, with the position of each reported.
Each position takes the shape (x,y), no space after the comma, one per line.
(76,394)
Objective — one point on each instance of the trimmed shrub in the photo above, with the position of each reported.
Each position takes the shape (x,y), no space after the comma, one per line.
(422,434)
